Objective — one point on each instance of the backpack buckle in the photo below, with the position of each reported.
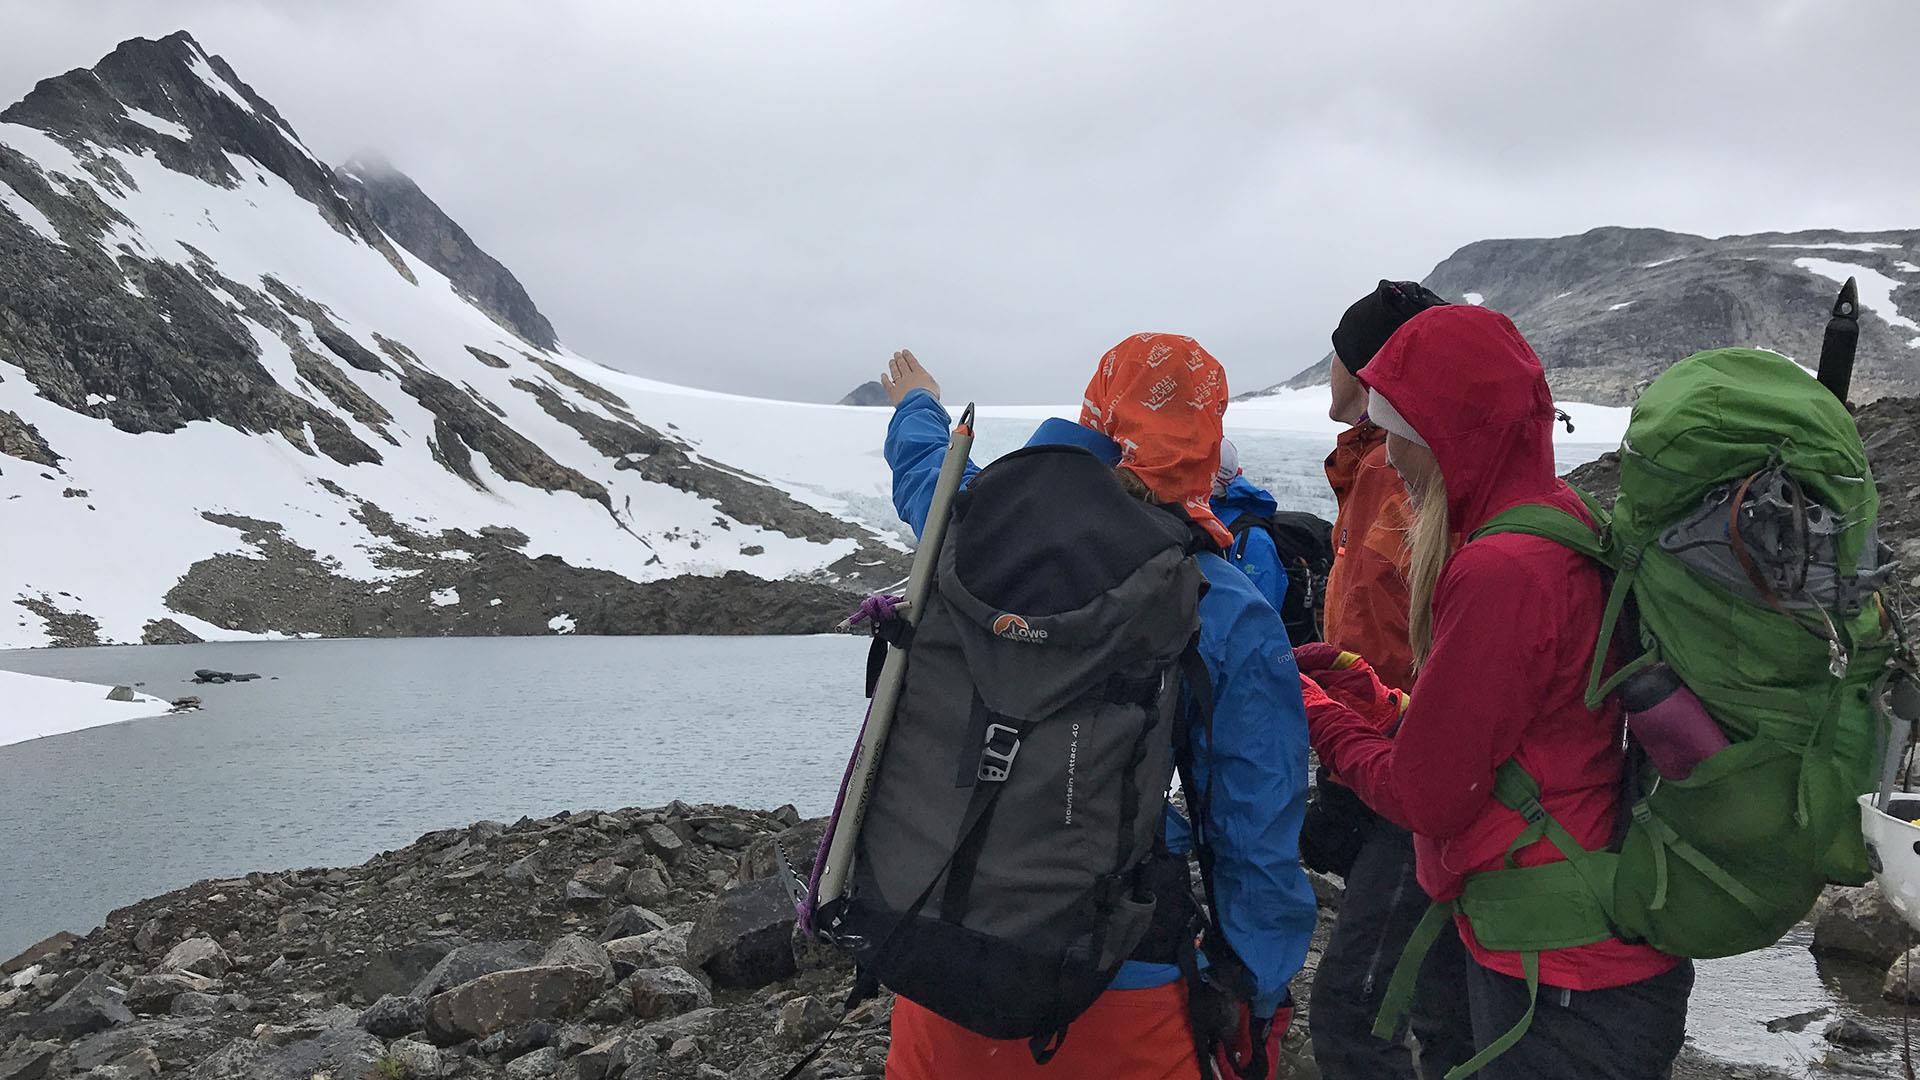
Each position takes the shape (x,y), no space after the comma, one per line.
(996,757)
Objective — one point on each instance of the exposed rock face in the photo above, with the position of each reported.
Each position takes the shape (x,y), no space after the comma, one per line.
(867,393)
(279,313)
(1859,924)
(397,205)
(1610,309)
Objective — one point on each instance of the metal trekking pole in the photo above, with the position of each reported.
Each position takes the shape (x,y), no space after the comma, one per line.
(838,865)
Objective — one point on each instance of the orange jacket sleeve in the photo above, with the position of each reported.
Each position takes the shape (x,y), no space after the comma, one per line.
(1367,589)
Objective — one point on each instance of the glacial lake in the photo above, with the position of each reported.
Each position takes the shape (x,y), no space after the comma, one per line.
(346,748)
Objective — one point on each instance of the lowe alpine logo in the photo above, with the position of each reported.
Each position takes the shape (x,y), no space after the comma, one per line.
(1015,628)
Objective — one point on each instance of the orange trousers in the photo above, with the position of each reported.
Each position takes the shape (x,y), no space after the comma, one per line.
(1125,1035)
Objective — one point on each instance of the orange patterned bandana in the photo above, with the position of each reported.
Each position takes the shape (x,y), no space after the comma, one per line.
(1161,397)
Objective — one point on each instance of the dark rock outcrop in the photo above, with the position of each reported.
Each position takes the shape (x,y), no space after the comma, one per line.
(397,204)
(867,393)
(1609,309)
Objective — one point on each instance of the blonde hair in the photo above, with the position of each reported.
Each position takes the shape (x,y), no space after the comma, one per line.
(1429,544)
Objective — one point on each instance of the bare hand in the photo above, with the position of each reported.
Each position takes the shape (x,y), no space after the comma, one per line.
(905,375)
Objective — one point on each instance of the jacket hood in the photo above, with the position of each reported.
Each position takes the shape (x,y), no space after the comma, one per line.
(1465,379)
(1243,496)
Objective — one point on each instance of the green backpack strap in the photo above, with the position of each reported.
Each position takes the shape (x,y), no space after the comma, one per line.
(1555,524)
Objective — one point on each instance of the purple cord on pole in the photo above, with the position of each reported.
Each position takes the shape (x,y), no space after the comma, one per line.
(877,608)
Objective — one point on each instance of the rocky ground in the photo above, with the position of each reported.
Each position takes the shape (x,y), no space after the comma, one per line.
(640,944)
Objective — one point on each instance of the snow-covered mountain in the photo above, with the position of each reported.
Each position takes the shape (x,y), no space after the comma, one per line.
(1611,308)
(243,393)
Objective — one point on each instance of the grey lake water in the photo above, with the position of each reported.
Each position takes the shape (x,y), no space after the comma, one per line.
(347,748)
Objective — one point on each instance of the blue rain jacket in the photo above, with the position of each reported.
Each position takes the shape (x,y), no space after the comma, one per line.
(1253,552)
(1257,768)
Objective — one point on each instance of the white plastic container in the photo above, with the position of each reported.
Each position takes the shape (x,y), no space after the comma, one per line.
(1893,849)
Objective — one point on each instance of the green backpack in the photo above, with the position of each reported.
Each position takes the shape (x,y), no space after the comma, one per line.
(1780,631)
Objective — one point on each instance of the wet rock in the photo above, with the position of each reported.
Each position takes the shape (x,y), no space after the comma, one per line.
(393,1016)
(577,951)
(1860,924)
(741,939)
(1903,978)
(1854,1035)
(541,1063)
(631,921)
(470,962)
(505,998)
(198,956)
(666,991)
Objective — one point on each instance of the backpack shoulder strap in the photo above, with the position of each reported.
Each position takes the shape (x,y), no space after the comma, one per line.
(1555,524)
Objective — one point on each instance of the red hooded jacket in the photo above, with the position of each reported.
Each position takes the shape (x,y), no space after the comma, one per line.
(1515,619)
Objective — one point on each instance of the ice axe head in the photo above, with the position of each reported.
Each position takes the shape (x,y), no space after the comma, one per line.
(1842,339)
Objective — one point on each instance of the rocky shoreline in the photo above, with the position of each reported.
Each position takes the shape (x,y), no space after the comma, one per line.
(638,943)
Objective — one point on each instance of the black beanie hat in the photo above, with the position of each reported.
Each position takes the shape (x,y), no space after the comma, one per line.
(1374,317)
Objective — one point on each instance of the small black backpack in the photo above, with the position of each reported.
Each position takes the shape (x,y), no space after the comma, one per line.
(1305,544)
(1011,857)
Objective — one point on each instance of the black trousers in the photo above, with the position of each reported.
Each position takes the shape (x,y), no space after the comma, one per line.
(1382,905)
(1627,1033)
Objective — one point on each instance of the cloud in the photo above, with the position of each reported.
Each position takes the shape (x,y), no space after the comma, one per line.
(770,198)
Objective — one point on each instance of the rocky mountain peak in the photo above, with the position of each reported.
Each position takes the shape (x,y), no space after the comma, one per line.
(396,203)
(1611,308)
(194,114)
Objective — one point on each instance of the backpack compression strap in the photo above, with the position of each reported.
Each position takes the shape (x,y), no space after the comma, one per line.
(1526,910)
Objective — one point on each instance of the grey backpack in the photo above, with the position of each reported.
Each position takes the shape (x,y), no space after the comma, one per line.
(1007,865)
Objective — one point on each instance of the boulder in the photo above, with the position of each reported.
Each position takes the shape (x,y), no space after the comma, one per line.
(420,1060)
(28,1064)
(1854,1035)
(198,956)
(604,876)
(541,1063)
(578,951)
(728,833)
(95,1003)
(800,842)
(341,1052)
(147,939)
(195,1003)
(602,1061)
(630,921)
(38,951)
(494,1002)
(665,842)
(1860,924)
(803,1020)
(469,962)
(509,1043)
(666,991)
(526,870)
(121,693)
(656,948)
(581,895)
(393,1016)
(398,971)
(1903,977)
(742,938)
(155,993)
(662,1034)
(648,885)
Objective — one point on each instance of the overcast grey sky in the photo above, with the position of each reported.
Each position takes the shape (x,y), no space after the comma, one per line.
(771,197)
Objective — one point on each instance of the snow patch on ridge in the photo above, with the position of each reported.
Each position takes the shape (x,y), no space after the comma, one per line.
(1876,288)
(1836,246)
(29,214)
(158,124)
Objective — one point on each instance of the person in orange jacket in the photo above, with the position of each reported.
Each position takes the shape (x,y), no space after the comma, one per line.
(1367,614)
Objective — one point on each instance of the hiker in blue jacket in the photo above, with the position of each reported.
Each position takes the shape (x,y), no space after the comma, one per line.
(1256,767)
(1253,551)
